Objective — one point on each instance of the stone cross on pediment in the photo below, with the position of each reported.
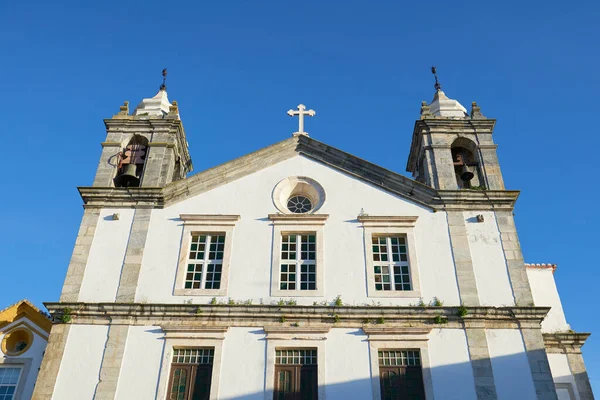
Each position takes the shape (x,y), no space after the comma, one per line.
(302,111)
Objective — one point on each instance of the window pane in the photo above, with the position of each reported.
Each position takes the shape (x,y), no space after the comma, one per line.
(201,355)
(296,356)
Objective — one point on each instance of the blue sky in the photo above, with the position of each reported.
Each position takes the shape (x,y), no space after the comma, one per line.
(236,67)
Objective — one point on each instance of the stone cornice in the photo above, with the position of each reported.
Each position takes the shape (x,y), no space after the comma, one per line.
(273,315)
(477,199)
(564,342)
(109,197)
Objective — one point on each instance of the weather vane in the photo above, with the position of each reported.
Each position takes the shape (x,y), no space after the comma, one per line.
(437,83)
(164,74)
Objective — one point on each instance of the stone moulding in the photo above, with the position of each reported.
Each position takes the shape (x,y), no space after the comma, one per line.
(567,342)
(306,316)
(380,177)
(387,221)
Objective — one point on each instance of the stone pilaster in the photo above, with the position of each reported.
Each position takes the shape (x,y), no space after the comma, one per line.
(461,253)
(485,387)
(491,166)
(112,359)
(579,372)
(107,166)
(81,251)
(133,255)
(444,168)
(538,363)
(46,380)
(514,259)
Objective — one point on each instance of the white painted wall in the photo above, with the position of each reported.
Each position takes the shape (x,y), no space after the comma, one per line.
(561,373)
(545,293)
(105,261)
(80,366)
(347,369)
(344,261)
(35,353)
(141,363)
(451,369)
(489,264)
(244,349)
(510,364)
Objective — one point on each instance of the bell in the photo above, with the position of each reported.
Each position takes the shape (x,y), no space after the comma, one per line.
(128,177)
(466,174)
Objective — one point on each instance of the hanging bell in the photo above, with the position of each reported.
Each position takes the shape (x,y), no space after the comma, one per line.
(466,174)
(128,178)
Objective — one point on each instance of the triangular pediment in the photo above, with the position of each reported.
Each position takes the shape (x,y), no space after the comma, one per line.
(370,173)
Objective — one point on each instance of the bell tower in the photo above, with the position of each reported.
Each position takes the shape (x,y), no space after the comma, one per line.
(145,149)
(452,149)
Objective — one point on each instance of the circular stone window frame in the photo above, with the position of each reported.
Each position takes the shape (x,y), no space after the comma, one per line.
(298,186)
(12,337)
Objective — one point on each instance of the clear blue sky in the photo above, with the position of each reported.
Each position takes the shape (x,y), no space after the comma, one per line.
(236,67)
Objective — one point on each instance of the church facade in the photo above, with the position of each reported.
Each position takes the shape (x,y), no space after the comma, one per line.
(300,271)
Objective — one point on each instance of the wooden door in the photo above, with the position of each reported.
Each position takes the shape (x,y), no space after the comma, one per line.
(296,382)
(400,383)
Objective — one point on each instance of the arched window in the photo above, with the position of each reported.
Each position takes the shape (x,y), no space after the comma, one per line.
(131,162)
(466,164)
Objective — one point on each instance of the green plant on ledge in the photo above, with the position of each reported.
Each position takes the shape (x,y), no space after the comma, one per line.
(282,319)
(213,301)
(380,321)
(438,320)
(462,311)
(338,301)
(476,188)
(66,317)
(336,318)
(436,302)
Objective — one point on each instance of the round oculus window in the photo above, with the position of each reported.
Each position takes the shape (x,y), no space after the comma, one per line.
(299,204)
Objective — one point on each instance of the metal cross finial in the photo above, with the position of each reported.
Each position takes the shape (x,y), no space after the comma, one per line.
(302,111)
(437,85)
(164,74)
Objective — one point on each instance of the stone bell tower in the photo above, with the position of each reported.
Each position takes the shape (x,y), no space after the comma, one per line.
(145,149)
(452,149)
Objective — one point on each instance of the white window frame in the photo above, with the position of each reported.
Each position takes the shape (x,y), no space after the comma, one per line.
(196,224)
(299,224)
(282,338)
(178,337)
(390,226)
(398,339)
(24,364)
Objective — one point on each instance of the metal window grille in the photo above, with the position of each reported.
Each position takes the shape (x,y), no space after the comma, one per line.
(205,261)
(390,263)
(298,254)
(296,357)
(194,356)
(403,358)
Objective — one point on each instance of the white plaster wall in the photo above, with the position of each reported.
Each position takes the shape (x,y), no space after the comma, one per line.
(105,261)
(489,264)
(545,293)
(140,367)
(561,373)
(246,348)
(80,366)
(451,370)
(35,353)
(347,368)
(510,365)
(344,253)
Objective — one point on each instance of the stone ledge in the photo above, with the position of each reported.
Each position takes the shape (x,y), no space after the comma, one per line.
(565,342)
(308,316)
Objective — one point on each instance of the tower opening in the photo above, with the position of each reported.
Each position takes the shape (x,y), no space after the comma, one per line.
(131,162)
(466,165)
